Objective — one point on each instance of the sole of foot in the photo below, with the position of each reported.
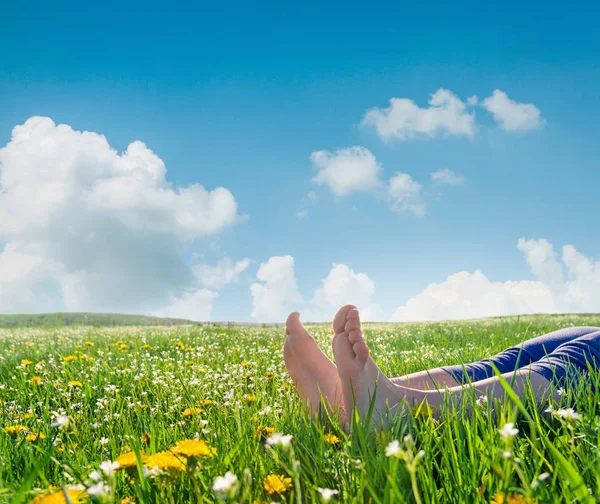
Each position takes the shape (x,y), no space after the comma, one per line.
(315,376)
(361,379)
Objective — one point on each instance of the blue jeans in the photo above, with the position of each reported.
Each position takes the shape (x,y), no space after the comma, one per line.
(555,356)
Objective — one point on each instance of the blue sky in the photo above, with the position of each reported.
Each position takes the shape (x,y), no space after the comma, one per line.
(241,95)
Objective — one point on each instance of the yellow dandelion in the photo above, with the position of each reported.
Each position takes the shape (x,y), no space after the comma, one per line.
(129,459)
(26,362)
(89,343)
(74,496)
(275,484)
(75,383)
(194,448)
(13,430)
(41,363)
(34,437)
(269,374)
(180,345)
(206,402)
(191,411)
(28,415)
(146,347)
(35,380)
(251,398)
(68,358)
(263,431)
(128,500)
(331,439)
(511,499)
(166,461)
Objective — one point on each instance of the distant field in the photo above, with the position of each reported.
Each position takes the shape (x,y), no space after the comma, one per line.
(85,319)
(75,398)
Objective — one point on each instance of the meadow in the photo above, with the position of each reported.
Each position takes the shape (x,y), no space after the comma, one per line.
(197,413)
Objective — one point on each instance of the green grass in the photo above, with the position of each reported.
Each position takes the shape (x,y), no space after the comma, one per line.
(137,381)
(54,320)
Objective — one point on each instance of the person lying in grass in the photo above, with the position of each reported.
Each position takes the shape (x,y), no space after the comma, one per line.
(355,381)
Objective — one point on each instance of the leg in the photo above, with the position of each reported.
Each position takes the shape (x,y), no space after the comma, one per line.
(518,356)
(365,386)
(426,380)
(513,358)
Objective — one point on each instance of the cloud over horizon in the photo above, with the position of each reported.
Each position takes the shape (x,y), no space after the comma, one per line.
(87,228)
(573,286)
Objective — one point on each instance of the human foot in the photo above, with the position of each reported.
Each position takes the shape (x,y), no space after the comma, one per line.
(360,377)
(314,375)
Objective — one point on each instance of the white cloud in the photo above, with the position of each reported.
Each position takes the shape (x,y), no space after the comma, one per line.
(353,169)
(301,214)
(275,297)
(223,273)
(405,195)
(472,100)
(404,119)
(195,305)
(472,295)
(447,176)
(92,229)
(511,115)
(344,286)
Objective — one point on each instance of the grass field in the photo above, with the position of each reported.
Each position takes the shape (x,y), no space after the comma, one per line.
(75,399)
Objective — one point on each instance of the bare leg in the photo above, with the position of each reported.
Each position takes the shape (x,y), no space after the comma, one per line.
(364,385)
(432,379)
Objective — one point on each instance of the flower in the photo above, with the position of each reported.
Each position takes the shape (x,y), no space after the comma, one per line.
(104,441)
(191,411)
(109,468)
(166,461)
(511,499)
(75,383)
(275,484)
(508,431)
(568,414)
(75,495)
(31,437)
(60,421)
(332,439)
(98,489)
(35,380)
(263,431)
(194,448)
(278,439)
(327,494)
(26,362)
(129,459)
(251,398)
(13,430)
(393,449)
(223,484)
(151,473)
(69,358)
(128,500)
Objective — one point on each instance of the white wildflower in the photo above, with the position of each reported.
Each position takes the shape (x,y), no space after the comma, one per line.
(393,449)
(508,431)
(327,493)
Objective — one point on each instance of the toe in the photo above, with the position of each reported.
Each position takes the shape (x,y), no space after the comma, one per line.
(342,348)
(355,336)
(293,324)
(361,350)
(352,325)
(353,315)
(339,321)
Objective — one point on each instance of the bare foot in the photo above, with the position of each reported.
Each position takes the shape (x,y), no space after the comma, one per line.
(361,379)
(314,375)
